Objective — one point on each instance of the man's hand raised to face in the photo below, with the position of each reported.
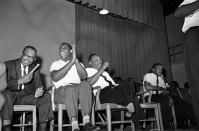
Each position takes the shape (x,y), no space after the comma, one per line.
(105,65)
(74,58)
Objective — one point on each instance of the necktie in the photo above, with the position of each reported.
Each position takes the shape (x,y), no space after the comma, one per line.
(157,82)
(24,70)
(24,73)
(109,82)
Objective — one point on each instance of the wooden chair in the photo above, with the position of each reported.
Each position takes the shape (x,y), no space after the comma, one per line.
(24,109)
(156,106)
(157,118)
(59,108)
(109,107)
(147,104)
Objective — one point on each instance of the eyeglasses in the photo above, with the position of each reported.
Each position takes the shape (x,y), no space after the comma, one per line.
(30,57)
(65,50)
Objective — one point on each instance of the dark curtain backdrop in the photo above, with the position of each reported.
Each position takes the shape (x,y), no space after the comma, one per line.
(143,11)
(130,47)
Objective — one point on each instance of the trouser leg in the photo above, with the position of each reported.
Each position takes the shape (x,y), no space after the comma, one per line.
(85,97)
(7,109)
(165,108)
(68,95)
(43,104)
(191,48)
(128,90)
(2,101)
(109,95)
(123,94)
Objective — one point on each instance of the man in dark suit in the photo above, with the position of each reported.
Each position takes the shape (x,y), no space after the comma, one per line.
(24,87)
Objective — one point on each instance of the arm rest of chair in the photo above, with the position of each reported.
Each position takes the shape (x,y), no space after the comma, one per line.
(148,86)
(141,93)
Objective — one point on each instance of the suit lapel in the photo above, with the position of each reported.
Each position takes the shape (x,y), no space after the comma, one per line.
(30,67)
(18,68)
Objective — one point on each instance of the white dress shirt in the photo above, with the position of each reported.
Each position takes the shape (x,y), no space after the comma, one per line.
(101,81)
(152,79)
(22,73)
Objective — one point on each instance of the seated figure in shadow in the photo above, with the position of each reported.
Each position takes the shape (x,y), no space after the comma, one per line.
(183,109)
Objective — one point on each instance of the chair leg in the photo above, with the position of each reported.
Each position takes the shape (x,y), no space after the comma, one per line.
(34,119)
(60,114)
(108,113)
(23,120)
(93,115)
(103,120)
(156,110)
(160,117)
(122,119)
(174,116)
(132,125)
(51,125)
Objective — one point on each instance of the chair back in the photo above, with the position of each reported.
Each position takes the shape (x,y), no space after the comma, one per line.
(51,90)
(97,98)
(53,97)
(108,107)
(143,93)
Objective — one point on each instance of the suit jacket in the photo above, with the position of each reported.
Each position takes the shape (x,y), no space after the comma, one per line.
(13,69)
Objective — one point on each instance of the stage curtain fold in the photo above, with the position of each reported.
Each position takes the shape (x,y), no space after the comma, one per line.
(142,11)
(130,47)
